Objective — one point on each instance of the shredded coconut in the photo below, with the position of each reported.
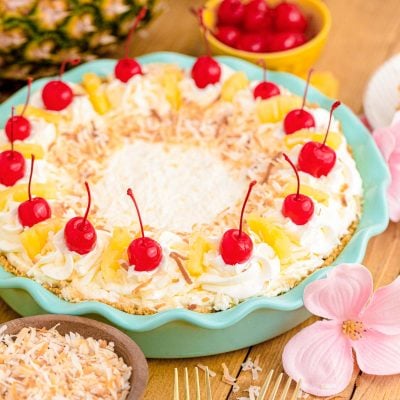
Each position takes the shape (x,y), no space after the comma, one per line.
(253,391)
(204,368)
(254,367)
(43,364)
(227,377)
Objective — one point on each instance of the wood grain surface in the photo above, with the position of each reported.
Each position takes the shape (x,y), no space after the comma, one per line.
(364,34)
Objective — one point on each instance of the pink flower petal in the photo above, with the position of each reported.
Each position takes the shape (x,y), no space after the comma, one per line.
(383,312)
(378,354)
(388,141)
(321,356)
(342,294)
(385,139)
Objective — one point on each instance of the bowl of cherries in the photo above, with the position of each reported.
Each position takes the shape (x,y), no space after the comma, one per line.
(288,35)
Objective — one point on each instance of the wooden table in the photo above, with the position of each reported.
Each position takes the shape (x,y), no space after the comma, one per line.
(364,34)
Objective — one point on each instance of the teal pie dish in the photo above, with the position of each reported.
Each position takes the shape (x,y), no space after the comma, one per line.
(184,333)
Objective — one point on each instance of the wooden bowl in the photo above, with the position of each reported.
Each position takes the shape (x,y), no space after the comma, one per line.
(125,347)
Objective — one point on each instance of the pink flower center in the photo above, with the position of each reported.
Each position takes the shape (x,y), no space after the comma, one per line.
(353,329)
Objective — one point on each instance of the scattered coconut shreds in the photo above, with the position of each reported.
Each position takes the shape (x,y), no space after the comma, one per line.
(43,364)
(204,368)
(235,388)
(227,377)
(254,392)
(254,367)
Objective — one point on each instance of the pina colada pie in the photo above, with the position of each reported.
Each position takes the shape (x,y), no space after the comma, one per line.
(211,160)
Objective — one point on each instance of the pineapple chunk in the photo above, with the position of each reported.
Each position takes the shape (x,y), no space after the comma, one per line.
(235,83)
(20,192)
(273,235)
(92,84)
(173,94)
(49,116)
(302,136)
(198,247)
(34,239)
(116,250)
(170,82)
(26,149)
(275,109)
(316,194)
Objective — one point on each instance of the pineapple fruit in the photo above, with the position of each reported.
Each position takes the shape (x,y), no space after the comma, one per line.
(92,84)
(302,136)
(170,80)
(236,82)
(19,192)
(26,149)
(198,247)
(49,116)
(275,108)
(34,239)
(116,250)
(317,195)
(36,35)
(273,235)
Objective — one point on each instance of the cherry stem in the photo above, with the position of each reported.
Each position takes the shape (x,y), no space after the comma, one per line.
(28,96)
(264,67)
(88,205)
(198,13)
(334,106)
(296,172)
(30,177)
(138,18)
(306,89)
(12,130)
(130,194)
(251,185)
(72,61)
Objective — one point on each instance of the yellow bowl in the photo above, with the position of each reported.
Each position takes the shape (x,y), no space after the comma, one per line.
(298,60)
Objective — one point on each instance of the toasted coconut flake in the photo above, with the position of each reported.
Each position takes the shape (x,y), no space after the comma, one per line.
(227,377)
(43,364)
(254,367)
(204,368)
(253,391)
(178,259)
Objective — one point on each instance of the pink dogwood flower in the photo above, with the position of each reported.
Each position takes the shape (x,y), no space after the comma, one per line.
(388,142)
(358,320)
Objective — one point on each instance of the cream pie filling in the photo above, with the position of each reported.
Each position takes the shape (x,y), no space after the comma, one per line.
(189,174)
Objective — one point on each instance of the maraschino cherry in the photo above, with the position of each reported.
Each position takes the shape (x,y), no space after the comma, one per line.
(33,210)
(144,253)
(298,207)
(56,94)
(282,41)
(257,16)
(318,159)
(12,162)
(79,234)
(128,67)
(299,118)
(205,71)
(231,12)
(289,18)
(264,90)
(228,35)
(236,246)
(19,126)
(252,41)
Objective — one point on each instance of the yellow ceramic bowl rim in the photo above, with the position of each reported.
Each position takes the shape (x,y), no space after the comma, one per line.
(319,37)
